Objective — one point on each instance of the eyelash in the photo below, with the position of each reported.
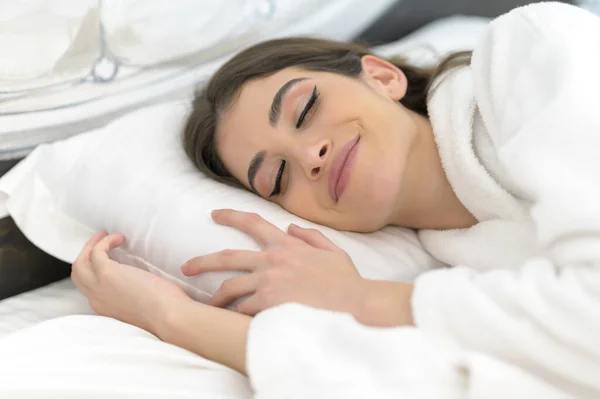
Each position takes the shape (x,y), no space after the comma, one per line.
(277,189)
(312,101)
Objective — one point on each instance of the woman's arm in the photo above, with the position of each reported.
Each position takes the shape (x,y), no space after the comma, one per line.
(147,301)
(300,352)
(156,305)
(221,335)
(216,334)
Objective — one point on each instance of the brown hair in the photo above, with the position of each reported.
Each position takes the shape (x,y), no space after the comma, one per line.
(272,56)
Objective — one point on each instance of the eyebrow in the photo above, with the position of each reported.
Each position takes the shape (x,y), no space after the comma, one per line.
(254,167)
(275,111)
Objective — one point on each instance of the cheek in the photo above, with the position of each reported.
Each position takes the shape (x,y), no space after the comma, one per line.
(377,184)
(304,202)
(301,201)
(379,188)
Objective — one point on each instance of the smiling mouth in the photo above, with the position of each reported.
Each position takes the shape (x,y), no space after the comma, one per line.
(341,168)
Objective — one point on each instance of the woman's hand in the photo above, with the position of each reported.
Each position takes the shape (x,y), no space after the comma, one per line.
(123,292)
(302,266)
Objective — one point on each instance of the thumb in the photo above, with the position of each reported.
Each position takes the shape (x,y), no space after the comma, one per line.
(100,252)
(313,237)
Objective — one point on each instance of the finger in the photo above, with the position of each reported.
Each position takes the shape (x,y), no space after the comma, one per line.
(227,259)
(81,271)
(235,288)
(313,237)
(84,255)
(99,255)
(263,232)
(251,306)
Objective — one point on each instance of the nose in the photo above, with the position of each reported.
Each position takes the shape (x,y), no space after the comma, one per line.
(315,158)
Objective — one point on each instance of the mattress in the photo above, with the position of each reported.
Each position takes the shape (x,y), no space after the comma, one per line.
(54,300)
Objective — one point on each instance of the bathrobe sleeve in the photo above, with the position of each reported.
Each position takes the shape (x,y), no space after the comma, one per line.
(530,332)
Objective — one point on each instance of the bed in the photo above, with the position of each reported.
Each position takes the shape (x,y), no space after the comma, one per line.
(54,300)
(28,122)
(61,298)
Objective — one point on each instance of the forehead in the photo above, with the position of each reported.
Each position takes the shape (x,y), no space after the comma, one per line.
(257,93)
(255,96)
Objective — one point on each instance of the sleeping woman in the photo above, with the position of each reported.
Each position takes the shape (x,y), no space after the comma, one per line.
(492,156)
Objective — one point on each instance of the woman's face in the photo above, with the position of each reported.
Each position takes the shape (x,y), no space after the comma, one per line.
(328,148)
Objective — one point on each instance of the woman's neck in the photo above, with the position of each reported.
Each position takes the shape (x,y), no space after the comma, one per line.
(427,200)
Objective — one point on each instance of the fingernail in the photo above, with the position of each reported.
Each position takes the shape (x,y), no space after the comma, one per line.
(186,266)
(116,239)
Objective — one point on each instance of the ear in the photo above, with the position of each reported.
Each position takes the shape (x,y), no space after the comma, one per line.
(384,77)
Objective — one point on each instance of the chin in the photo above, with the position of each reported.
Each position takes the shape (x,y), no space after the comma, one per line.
(364,220)
(371,214)
(368,227)
(373,220)
(357,226)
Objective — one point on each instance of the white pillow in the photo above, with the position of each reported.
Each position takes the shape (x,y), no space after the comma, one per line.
(133,177)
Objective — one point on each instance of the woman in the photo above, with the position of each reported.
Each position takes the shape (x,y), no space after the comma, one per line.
(495,162)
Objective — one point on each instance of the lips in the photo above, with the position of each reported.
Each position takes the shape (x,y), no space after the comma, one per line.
(341,168)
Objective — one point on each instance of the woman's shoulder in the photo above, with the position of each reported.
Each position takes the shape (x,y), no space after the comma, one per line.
(524,29)
(544,18)
(528,58)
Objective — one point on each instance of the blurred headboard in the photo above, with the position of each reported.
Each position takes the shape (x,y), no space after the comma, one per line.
(408,15)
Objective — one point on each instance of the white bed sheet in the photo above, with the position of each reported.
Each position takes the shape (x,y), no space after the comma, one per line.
(54,300)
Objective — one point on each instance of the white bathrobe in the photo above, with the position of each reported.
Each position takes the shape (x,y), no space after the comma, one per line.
(518,316)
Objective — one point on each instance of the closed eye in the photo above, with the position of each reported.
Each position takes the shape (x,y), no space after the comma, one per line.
(277,188)
(314,97)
